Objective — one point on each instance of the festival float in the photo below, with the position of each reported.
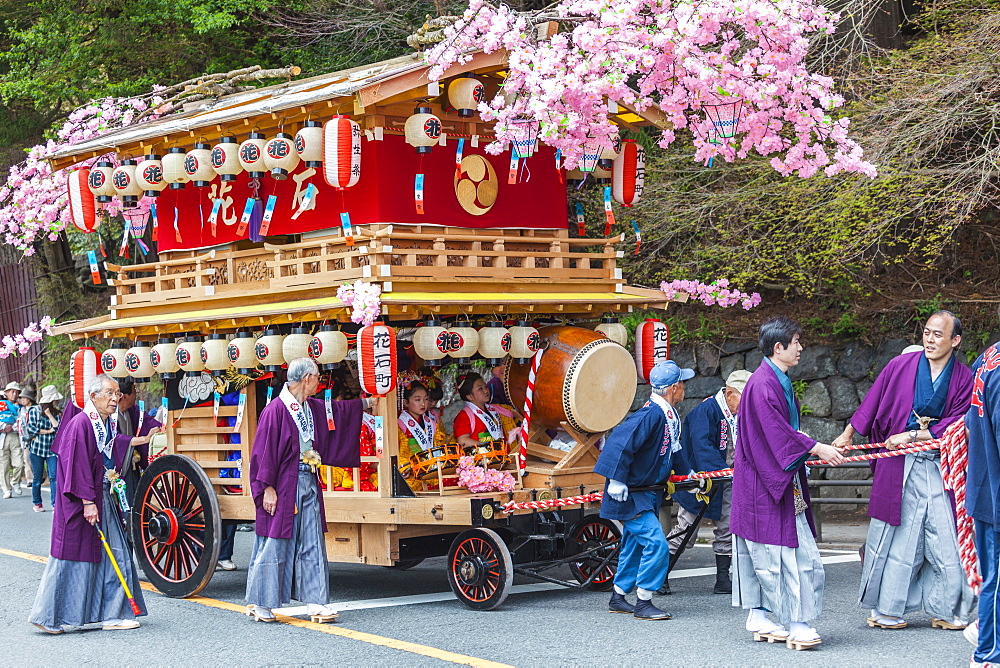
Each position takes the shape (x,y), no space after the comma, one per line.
(356,218)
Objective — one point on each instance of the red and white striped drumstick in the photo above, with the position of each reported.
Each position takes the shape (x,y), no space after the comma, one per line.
(529,392)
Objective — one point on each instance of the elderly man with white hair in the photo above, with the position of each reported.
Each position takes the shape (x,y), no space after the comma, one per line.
(295,434)
(80,585)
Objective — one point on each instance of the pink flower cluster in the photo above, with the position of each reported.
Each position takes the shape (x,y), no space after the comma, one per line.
(364,300)
(19,344)
(478,479)
(33,201)
(711,294)
(671,58)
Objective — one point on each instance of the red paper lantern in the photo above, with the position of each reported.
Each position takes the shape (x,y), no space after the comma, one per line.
(377,359)
(652,345)
(82,207)
(341,152)
(629,173)
(83,368)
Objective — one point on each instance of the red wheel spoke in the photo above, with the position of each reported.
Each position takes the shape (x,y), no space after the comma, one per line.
(160,495)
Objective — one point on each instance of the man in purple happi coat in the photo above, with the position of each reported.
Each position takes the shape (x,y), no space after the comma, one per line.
(294,433)
(80,585)
(911,555)
(776,564)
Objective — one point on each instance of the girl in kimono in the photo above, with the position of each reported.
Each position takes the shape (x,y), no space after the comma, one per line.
(419,429)
(479,417)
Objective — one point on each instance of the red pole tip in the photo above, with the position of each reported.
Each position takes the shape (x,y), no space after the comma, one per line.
(135,607)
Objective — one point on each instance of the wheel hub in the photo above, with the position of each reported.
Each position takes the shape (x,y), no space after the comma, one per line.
(472,571)
(165,526)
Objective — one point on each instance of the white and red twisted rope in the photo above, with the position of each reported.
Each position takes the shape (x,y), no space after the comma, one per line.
(529,393)
(954,463)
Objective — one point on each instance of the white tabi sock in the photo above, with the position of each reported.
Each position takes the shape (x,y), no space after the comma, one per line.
(619,590)
(801,631)
(644,594)
(756,619)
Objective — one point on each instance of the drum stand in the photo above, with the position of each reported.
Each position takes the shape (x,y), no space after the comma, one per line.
(562,469)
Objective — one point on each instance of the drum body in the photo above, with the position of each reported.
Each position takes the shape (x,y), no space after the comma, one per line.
(585,379)
(426,463)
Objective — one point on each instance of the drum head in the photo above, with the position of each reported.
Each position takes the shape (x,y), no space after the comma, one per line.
(599,387)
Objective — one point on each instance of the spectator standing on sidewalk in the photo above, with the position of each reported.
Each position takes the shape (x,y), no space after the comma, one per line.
(11,462)
(40,426)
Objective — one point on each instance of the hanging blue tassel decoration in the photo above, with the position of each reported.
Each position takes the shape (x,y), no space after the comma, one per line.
(256,218)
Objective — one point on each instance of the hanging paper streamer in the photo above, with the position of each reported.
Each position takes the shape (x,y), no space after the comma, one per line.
(306,202)
(240,409)
(638,236)
(345,222)
(100,247)
(215,405)
(95,270)
(512,174)
(245,218)
(379,435)
(581,227)
(418,193)
(177,230)
(328,404)
(156,220)
(265,224)
(123,251)
(559,171)
(458,158)
(213,218)
(161,412)
(270,394)
(609,215)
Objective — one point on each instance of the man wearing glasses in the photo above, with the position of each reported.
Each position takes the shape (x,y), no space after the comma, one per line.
(80,585)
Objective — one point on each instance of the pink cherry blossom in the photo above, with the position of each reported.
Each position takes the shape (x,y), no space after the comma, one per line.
(711,294)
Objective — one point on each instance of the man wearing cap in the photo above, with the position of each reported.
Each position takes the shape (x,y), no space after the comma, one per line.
(708,441)
(776,564)
(911,554)
(11,457)
(638,453)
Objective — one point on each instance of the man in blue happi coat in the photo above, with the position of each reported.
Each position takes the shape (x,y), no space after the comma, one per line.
(982,496)
(638,453)
(708,440)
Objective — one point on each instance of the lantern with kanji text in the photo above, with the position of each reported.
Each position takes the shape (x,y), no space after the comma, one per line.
(137,362)
(225,158)
(241,353)
(163,357)
(494,342)
(189,356)
(252,156)
(629,173)
(100,183)
(82,207)
(524,341)
(126,187)
(430,342)
(341,152)
(652,345)
(198,165)
(215,354)
(149,175)
(377,358)
(463,343)
(269,350)
(465,94)
(280,157)
(113,361)
(173,168)
(422,129)
(309,144)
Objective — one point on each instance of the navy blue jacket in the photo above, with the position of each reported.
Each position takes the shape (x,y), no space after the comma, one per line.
(982,499)
(704,442)
(635,453)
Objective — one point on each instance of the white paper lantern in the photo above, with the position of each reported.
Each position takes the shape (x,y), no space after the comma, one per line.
(163,357)
(269,351)
(241,353)
(430,342)
(465,94)
(296,344)
(463,343)
(602,175)
(613,329)
(494,342)
(328,348)
(149,175)
(309,144)
(100,183)
(189,356)
(198,165)
(280,157)
(215,354)
(252,155)
(524,341)
(113,361)
(173,168)
(137,362)
(84,366)
(422,129)
(652,345)
(126,187)
(225,158)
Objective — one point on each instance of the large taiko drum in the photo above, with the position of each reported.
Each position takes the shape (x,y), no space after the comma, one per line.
(585,379)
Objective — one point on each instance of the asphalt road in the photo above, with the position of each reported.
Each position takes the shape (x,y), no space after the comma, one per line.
(410,618)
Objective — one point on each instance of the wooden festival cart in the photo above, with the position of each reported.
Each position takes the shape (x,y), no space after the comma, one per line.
(459,259)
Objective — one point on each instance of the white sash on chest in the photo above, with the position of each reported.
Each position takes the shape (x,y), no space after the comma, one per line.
(301,415)
(672,430)
(487,417)
(720,398)
(104,433)
(424,436)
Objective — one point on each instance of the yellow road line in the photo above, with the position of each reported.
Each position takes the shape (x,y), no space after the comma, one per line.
(370,638)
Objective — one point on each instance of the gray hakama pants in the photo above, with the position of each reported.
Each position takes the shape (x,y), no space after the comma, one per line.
(75,593)
(282,569)
(788,581)
(916,565)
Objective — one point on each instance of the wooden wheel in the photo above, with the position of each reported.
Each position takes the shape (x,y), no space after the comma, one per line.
(480,570)
(589,533)
(176,526)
